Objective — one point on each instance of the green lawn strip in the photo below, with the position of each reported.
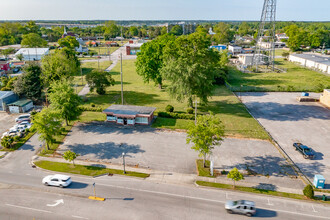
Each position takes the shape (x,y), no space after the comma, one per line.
(87,67)
(203,171)
(238,122)
(102,50)
(255,190)
(296,79)
(59,140)
(91,116)
(84,170)
(20,143)
(78,83)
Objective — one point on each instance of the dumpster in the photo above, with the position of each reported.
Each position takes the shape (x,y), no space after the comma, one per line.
(324,198)
(304,94)
(319,181)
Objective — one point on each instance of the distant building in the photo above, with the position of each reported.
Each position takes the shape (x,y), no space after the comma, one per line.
(6,97)
(234,49)
(68,34)
(247,59)
(247,50)
(133,49)
(211,31)
(268,45)
(4,65)
(281,36)
(20,106)
(31,54)
(316,62)
(219,47)
(130,114)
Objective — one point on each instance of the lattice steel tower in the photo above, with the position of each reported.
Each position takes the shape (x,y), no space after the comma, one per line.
(264,53)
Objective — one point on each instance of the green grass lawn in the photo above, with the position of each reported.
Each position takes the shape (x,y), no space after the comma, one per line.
(278,52)
(87,67)
(203,171)
(238,122)
(92,116)
(84,170)
(296,78)
(102,50)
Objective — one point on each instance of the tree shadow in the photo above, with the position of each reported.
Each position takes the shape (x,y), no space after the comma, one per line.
(266,186)
(264,213)
(311,169)
(287,112)
(102,151)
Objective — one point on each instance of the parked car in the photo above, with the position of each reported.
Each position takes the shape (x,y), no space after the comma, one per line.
(12,132)
(304,150)
(57,180)
(243,207)
(22,117)
(16,69)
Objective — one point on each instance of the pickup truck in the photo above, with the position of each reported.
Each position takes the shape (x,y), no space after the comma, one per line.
(304,150)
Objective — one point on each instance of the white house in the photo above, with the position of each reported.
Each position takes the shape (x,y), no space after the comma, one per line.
(268,45)
(31,54)
(281,36)
(247,59)
(234,49)
(317,62)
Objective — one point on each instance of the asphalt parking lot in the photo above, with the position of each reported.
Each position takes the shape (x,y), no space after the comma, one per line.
(6,121)
(167,150)
(289,121)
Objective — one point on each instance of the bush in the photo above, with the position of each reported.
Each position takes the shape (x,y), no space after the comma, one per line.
(169,108)
(308,191)
(93,105)
(100,91)
(84,54)
(190,111)
(90,109)
(176,115)
(319,87)
(16,138)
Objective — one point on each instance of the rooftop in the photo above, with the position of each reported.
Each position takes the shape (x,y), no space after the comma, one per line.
(4,94)
(129,110)
(316,58)
(21,102)
(32,51)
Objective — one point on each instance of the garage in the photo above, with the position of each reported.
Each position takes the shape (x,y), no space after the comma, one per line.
(20,106)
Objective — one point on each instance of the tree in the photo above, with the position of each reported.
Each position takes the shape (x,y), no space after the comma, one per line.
(235,175)
(296,37)
(63,99)
(111,30)
(33,40)
(133,31)
(29,84)
(150,60)
(70,156)
(223,33)
(99,80)
(308,191)
(7,141)
(48,124)
(244,29)
(32,27)
(20,57)
(191,67)
(176,30)
(207,132)
(201,29)
(7,51)
(69,42)
(60,65)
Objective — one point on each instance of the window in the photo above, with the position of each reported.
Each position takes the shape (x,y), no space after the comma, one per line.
(55,180)
(245,207)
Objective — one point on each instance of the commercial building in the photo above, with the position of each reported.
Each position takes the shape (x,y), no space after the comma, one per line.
(133,48)
(31,54)
(130,114)
(234,49)
(313,61)
(219,47)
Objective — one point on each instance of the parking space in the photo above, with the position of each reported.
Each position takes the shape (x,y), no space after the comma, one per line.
(6,121)
(290,121)
(167,150)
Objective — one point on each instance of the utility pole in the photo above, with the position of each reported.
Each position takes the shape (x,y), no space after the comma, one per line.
(82,79)
(196,112)
(121,78)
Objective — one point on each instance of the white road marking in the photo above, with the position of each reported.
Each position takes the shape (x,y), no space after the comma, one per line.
(210,200)
(22,207)
(28,174)
(269,202)
(57,202)
(75,216)
(226,195)
(313,209)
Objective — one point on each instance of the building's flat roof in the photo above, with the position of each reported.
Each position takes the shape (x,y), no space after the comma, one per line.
(32,51)
(316,58)
(20,103)
(4,94)
(129,110)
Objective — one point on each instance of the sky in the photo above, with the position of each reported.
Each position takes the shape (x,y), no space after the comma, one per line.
(287,10)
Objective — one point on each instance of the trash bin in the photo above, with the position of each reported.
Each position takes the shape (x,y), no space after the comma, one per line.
(324,198)
(319,181)
(304,94)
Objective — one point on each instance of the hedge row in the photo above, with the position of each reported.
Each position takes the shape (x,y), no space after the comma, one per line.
(176,115)
(90,109)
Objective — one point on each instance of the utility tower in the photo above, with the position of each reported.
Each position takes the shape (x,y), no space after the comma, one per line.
(264,53)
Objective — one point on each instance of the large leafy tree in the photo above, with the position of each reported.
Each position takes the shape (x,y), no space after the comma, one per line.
(111,30)
(297,37)
(99,80)
(29,84)
(69,42)
(133,31)
(33,40)
(60,65)
(207,132)
(63,99)
(191,67)
(223,33)
(150,60)
(176,30)
(7,51)
(48,124)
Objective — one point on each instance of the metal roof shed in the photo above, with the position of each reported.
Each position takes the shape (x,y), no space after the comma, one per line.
(20,106)
(5,98)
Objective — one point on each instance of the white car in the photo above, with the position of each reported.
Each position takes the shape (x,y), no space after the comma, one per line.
(12,132)
(22,126)
(22,117)
(57,180)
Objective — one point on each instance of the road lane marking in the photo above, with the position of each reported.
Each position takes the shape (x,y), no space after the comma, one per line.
(76,216)
(313,209)
(23,207)
(57,202)
(210,200)
(269,202)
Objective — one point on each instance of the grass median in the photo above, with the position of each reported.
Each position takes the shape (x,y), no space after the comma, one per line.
(84,170)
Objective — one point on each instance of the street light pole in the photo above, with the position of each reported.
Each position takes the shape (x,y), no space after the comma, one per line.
(124,162)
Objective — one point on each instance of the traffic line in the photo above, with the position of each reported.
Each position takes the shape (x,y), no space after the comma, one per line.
(313,209)
(76,216)
(23,207)
(269,202)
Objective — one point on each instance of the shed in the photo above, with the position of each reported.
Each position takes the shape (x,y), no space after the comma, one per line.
(7,97)
(30,54)
(20,106)
(130,114)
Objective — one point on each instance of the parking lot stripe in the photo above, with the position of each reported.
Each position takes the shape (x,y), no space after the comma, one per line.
(23,207)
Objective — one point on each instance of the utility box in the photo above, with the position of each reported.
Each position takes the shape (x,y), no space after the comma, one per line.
(319,181)
(304,94)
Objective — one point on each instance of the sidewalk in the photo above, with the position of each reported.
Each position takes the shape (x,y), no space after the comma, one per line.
(271,183)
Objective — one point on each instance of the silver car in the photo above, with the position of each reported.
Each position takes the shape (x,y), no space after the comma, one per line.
(243,207)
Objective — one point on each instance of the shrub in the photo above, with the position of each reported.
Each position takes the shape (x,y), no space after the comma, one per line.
(16,138)
(169,108)
(308,191)
(84,54)
(319,87)
(190,111)
(290,88)
(176,115)
(27,130)
(90,109)
(93,105)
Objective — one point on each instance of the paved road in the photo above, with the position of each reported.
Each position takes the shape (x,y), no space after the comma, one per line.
(289,121)
(6,121)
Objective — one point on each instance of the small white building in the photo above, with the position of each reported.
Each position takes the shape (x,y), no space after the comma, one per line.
(268,45)
(245,59)
(32,54)
(281,36)
(235,49)
(20,106)
(316,62)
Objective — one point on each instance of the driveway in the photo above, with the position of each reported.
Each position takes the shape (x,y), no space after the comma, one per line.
(167,150)
(289,121)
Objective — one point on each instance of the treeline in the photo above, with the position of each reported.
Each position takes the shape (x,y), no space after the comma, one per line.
(313,34)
